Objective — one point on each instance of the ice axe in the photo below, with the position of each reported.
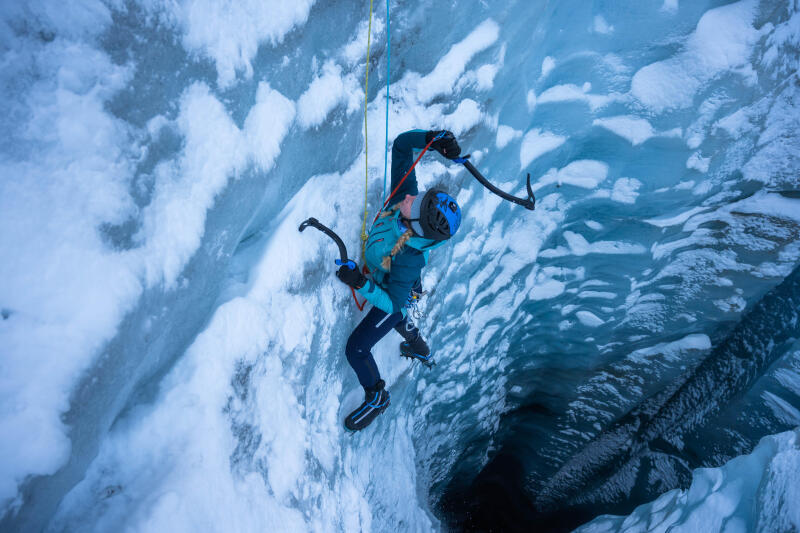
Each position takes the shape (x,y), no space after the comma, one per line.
(343,260)
(528,203)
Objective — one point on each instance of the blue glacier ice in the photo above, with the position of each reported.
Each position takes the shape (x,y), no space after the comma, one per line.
(755,492)
(171,348)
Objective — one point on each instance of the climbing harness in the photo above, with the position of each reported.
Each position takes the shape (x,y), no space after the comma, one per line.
(413,305)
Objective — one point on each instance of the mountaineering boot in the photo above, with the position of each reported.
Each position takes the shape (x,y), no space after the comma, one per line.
(376,400)
(417,349)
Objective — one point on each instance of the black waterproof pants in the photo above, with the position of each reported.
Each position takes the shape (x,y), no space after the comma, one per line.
(369,331)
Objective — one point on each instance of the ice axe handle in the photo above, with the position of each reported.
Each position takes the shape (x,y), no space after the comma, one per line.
(313,222)
(528,203)
(349,263)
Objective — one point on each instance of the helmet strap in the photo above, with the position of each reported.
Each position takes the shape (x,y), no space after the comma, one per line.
(407,223)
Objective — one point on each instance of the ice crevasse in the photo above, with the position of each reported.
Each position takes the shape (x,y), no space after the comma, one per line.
(171,347)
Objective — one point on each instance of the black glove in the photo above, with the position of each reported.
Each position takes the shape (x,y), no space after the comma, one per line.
(445,145)
(351,276)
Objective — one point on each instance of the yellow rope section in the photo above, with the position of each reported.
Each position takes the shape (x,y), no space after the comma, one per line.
(366,145)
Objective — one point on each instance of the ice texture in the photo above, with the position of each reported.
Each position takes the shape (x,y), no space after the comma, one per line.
(506,134)
(234,43)
(754,492)
(537,142)
(722,42)
(171,348)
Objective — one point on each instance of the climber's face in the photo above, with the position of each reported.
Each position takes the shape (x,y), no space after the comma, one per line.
(405,205)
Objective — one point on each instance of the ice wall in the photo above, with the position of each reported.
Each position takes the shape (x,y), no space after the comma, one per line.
(754,492)
(652,446)
(152,138)
(171,346)
(651,294)
(106,216)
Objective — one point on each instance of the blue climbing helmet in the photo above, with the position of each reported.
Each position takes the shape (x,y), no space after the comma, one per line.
(435,215)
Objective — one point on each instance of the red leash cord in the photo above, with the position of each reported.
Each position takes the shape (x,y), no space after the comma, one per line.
(364,270)
(355,299)
(403,179)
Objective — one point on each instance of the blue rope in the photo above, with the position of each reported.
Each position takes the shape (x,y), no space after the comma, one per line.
(388,66)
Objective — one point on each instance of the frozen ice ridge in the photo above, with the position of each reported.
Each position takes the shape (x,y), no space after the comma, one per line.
(755,492)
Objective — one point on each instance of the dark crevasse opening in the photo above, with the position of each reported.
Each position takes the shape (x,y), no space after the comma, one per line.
(705,417)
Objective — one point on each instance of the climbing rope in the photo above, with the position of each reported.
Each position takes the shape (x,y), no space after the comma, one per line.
(366,152)
(386,201)
(361,305)
(366,144)
(388,80)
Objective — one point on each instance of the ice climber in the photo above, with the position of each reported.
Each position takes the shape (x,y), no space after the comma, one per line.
(413,224)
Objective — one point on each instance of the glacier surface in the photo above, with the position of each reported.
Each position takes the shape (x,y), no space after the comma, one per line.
(171,348)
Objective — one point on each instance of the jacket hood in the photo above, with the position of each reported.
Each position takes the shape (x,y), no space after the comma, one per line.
(423,245)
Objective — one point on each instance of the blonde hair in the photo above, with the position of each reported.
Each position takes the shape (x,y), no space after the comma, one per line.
(386,262)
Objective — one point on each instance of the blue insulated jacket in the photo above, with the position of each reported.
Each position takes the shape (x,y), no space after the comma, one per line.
(390,291)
